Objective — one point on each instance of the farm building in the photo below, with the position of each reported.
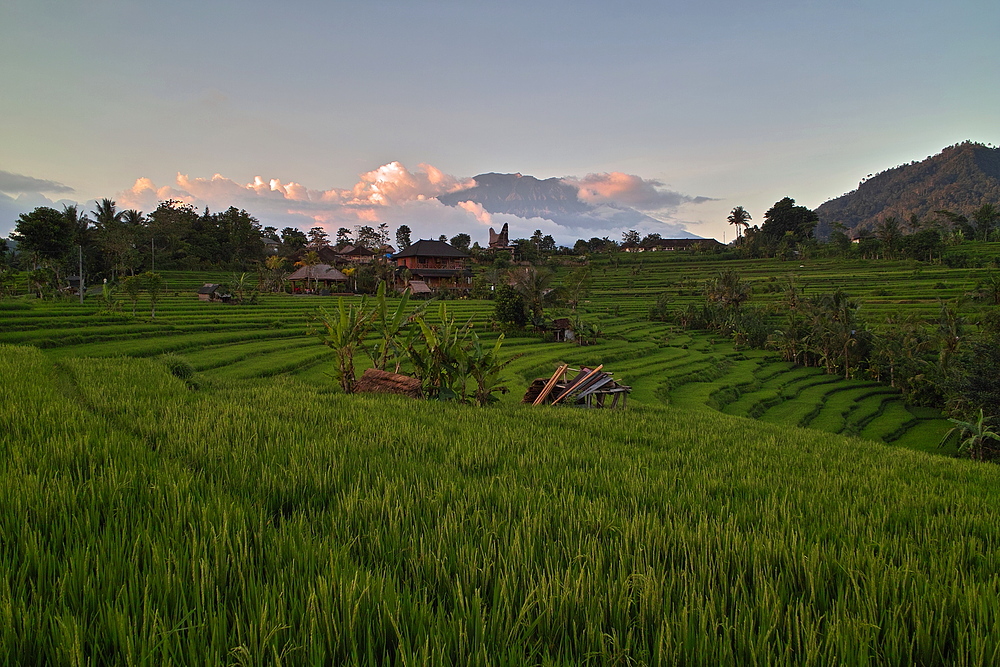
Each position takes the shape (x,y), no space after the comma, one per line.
(318,276)
(356,254)
(209,292)
(436,263)
(562,329)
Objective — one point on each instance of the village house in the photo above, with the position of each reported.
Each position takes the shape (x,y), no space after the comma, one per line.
(436,264)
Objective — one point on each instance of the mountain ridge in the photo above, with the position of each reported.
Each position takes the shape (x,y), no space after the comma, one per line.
(960,179)
(553,199)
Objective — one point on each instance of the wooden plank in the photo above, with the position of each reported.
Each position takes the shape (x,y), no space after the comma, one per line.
(577,383)
(550,385)
(600,382)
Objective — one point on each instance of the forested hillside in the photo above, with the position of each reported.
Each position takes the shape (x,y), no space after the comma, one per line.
(959,179)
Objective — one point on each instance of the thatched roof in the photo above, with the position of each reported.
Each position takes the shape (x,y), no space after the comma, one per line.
(317,272)
(429,248)
(208,288)
(419,287)
(374,381)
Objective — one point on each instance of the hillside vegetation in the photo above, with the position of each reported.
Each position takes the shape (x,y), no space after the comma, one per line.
(269,522)
(959,179)
(664,364)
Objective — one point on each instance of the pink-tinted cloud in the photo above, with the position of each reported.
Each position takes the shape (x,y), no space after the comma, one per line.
(477,210)
(628,190)
(395,195)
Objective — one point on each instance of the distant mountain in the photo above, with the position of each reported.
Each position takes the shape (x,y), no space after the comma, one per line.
(552,199)
(960,178)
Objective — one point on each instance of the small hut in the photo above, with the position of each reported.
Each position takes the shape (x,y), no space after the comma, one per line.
(318,276)
(208,292)
(419,287)
(562,330)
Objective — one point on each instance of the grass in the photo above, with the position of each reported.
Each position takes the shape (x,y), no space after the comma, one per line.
(266,522)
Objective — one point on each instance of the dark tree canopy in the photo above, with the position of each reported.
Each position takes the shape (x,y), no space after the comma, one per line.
(45,231)
(461,241)
(403,237)
(786,219)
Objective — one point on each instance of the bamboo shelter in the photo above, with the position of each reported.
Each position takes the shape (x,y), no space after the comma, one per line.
(589,387)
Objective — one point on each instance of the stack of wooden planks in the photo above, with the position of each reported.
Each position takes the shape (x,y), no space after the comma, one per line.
(589,387)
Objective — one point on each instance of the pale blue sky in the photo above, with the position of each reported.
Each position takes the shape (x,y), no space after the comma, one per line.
(743,102)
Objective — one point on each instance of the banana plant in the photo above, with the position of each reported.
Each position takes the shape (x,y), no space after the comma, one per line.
(346,330)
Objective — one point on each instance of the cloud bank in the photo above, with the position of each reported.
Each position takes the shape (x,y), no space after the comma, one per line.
(395,195)
(629,190)
(16,184)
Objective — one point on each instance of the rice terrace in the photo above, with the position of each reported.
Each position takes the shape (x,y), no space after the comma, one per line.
(191,479)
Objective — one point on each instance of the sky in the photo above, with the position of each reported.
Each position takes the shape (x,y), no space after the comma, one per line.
(345,113)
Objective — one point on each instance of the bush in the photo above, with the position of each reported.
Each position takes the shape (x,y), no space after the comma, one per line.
(178,366)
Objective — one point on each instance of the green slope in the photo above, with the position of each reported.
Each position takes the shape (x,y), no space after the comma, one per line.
(264,521)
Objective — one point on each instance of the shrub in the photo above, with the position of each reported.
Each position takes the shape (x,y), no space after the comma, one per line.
(178,366)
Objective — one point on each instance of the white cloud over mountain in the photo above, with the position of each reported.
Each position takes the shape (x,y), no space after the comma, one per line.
(396,195)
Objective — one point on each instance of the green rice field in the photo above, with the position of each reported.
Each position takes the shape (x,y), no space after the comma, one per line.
(739,511)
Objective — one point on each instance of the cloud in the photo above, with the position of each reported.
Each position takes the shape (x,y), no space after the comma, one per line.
(395,195)
(477,210)
(628,190)
(14,183)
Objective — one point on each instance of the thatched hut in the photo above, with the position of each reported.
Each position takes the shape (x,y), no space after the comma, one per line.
(318,275)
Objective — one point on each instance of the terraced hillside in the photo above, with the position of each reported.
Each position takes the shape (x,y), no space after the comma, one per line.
(662,364)
(268,521)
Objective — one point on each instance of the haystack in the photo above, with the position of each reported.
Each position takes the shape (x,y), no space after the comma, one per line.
(374,381)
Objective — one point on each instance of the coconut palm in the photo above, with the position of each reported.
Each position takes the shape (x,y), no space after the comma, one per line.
(739,217)
(534,286)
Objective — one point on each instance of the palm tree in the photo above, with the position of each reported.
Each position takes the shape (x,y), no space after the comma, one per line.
(985,217)
(534,287)
(105,213)
(728,290)
(889,233)
(310,259)
(739,217)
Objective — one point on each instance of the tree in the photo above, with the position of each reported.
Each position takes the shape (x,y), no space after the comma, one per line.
(132,286)
(344,237)
(242,232)
(368,237)
(318,238)
(534,286)
(508,306)
(309,260)
(403,237)
(890,234)
(168,234)
(576,286)
(46,233)
(153,282)
(630,237)
(461,241)
(786,219)
(740,218)
(985,217)
(728,290)
(292,239)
